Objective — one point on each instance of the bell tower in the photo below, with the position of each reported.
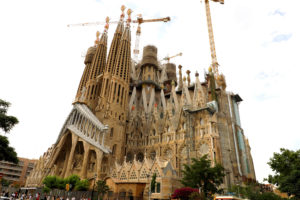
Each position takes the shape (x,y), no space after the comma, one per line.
(111,61)
(113,104)
(92,78)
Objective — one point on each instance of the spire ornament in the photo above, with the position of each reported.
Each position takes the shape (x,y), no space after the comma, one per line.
(180,78)
(129,11)
(97,38)
(122,15)
(107,24)
(188,77)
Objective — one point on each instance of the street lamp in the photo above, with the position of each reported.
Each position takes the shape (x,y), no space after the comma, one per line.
(149,193)
(95,176)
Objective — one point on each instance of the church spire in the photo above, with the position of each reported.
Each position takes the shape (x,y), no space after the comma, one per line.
(94,82)
(92,78)
(111,60)
(80,96)
(119,90)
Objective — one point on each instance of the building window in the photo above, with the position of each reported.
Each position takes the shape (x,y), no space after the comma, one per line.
(114,149)
(111,132)
(158,187)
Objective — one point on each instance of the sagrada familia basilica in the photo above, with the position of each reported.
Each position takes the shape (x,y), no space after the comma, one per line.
(133,119)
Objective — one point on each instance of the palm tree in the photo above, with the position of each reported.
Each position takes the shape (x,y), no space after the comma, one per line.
(102,188)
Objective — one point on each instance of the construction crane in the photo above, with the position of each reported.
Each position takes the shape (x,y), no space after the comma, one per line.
(139,21)
(169,57)
(214,61)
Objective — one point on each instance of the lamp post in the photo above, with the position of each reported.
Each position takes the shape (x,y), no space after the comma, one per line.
(149,193)
(95,176)
(238,190)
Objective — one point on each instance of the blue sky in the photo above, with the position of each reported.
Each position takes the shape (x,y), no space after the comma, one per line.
(257,45)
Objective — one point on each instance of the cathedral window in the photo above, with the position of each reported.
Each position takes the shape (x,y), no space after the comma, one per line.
(112,132)
(129,157)
(140,157)
(114,149)
(152,155)
(92,92)
(158,187)
(153,132)
(161,115)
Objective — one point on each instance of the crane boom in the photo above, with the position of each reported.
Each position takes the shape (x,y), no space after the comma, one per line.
(169,57)
(139,20)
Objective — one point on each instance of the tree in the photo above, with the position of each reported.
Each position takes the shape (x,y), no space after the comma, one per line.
(72,181)
(201,175)
(286,166)
(50,182)
(153,182)
(7,153)
(6,122)
(253,192)
(4,182)
(102,188)
(82,185)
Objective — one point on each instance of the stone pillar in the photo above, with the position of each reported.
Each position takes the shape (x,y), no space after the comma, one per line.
(57,150)
(99,155)
(71,156)
(85,159)
(65,164)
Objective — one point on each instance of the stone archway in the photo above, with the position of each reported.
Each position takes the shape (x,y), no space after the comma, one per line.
(122,194)
(76,165)
(92,163)
(60,163)
(104,166)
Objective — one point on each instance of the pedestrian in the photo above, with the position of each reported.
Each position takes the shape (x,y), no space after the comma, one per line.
(37,196)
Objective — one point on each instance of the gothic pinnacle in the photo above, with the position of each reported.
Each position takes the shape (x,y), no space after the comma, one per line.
(97,38)
(129,11)
(122,15)
(180,78)
(188,77)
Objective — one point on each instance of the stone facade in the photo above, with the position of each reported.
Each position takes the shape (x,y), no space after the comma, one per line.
(131,120)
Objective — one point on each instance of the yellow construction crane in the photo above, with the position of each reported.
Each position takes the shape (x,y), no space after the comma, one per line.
(169,57)
(214,61)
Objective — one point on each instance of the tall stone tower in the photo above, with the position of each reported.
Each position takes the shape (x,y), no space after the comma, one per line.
(113,102)
(110,64)
(92,79)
